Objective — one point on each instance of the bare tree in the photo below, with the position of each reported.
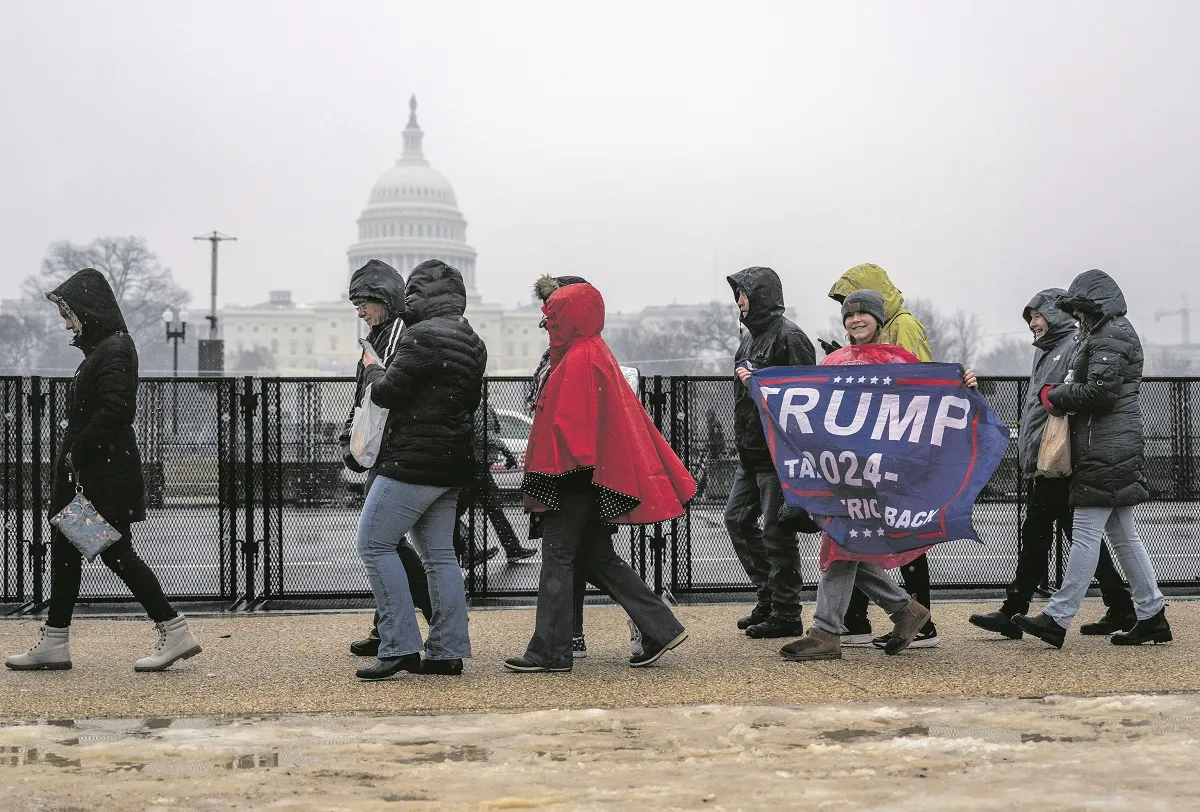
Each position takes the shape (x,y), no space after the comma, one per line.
(703,343)
(257,361)
(953,337)
(1010,356)
(143,287)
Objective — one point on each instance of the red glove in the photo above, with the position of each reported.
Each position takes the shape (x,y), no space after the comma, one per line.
(1046,404)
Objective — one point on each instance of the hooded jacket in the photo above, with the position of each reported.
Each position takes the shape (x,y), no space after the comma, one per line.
(432,384)
(1049,367)
(588,420)
(379,281)
(101,406)
(543,288)
(1107,445)
(900,327)
(771,340)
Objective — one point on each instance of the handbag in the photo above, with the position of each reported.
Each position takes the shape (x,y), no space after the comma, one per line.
(82,525)
(1054,453)
(370,419)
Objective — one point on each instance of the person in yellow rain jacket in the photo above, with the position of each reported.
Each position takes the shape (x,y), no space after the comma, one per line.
(902,329)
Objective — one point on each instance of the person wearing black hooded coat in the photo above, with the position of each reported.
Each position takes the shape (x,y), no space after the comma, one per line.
(377,292)
(1100,396)
(431,388)
(770,554)
(1049,501)
(99,455)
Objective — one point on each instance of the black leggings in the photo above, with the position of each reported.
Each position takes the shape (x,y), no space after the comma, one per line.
(66,571)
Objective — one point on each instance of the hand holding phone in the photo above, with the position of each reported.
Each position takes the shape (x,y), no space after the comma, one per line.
(369,358)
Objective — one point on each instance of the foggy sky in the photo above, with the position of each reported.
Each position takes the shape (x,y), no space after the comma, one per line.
(978,153)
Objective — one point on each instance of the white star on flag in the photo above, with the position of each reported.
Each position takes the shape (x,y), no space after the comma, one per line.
(887,381)
(874,380)
(838,379)
(853,534)
(867,533)
(879,532)
(862,380)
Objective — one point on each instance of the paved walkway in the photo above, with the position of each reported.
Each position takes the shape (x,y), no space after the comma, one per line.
(300,663)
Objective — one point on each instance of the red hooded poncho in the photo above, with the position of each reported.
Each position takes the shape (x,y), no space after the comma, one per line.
(859,355)
(587,417)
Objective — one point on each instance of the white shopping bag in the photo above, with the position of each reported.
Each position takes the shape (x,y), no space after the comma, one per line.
(366,432)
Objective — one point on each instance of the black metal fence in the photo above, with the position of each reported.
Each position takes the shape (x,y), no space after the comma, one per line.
(249,500)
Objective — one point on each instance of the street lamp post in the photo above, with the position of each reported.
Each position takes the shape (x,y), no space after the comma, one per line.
(176,324)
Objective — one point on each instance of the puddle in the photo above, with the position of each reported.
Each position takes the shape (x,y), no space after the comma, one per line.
(30,756)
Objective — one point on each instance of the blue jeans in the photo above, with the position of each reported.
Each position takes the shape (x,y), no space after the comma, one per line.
(425,513)
(770,554)
(1091,523)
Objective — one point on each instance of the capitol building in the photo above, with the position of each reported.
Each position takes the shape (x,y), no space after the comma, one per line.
(412,215)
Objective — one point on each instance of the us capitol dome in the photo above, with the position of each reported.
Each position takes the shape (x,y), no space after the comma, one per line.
(412,215)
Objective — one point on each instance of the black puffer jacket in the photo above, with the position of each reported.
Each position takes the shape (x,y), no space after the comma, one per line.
(379,281)
(101,406)
(1106,424)
(432,385)
(770,341)
(1049,367)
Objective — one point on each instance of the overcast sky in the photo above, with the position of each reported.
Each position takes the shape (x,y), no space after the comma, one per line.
(977,152)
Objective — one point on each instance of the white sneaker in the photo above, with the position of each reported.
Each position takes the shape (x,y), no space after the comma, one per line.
(49,653)
(578,647)
(175,642)
(635,640)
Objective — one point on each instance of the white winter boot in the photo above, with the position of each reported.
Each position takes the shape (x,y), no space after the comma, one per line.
(50,653)
(175,642)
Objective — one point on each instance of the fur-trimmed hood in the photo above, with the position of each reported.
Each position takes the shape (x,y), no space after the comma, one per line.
(547,284)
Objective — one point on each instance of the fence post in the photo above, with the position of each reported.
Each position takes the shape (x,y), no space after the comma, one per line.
(249,544)
(37,548)
(658,542)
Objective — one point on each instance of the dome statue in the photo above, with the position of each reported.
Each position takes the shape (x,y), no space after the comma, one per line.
(412,215)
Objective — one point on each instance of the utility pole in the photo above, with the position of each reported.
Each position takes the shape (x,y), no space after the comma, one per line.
(1183,314)
(212,350)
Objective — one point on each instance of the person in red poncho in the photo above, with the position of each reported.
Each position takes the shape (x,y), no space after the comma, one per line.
(842,570)
(594,459)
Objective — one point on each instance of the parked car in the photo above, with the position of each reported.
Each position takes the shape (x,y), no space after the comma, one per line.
(514,436)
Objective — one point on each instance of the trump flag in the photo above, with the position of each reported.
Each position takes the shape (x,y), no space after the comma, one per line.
(887,457)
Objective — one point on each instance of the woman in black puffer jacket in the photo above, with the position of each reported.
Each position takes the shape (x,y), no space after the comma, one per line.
(431,387)
(99,454)
(1100,394)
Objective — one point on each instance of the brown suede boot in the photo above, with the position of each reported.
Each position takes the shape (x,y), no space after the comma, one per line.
(909,621)
(814,645)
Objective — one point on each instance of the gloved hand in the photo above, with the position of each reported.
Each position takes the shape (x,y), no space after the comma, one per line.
(349,461)
(828,346)
(796,520)
(1044,396)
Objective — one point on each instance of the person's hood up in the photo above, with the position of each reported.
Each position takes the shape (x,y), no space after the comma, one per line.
(1062,324)
(573,313)
(89,298)
(869,276)
(547,284)
(379,281)
(1096,295)
(765,293)
(434,289)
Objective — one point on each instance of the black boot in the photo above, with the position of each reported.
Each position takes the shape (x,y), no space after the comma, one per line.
(758,614)
(776,627)
(1043,627)
(997,622)
(450,668)
(1114,620)
(1151,630)
(518,553)
(367,647)
(387,667)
